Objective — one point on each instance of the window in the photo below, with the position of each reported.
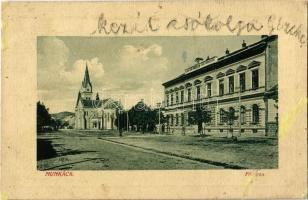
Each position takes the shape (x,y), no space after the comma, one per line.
(255,114)
(222,116)
(242,82)
(255,79)
(231,115)
(243,113)
(189,94)
(198,93)
(210,115)
(221,87)
(176,119)
(231,84)
(171,120)
(182,96)
(209,89)
(177,98)
(182,118)
(167,100)
(171,99)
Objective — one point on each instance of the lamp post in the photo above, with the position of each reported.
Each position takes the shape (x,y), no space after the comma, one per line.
(159,117)
(127,121)
(119,115)
(239,102)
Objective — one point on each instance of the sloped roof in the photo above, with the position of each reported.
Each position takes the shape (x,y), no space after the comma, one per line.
(111,104)
(87,103)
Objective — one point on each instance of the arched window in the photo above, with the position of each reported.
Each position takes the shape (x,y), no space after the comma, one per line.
(222,115)
(243,113)
(198,92)
(255,113)
(167,97)
(189,94)
(168,120)
(182,119)
(231,115)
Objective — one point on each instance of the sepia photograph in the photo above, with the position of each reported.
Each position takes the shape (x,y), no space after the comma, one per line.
(157,103)
(154,100)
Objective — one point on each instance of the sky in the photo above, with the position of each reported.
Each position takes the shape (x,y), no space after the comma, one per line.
(123,68)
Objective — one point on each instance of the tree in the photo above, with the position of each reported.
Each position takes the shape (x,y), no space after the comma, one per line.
(142,117)
(199,116)
(230,117)
(43,117)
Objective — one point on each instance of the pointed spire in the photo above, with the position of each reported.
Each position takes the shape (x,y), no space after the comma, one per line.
(86,79)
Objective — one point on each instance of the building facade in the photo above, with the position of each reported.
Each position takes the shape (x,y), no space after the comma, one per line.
(94,113)
(244,82)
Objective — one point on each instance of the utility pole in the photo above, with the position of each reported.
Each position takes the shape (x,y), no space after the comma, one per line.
(159,105)
(127,121)
(120,132)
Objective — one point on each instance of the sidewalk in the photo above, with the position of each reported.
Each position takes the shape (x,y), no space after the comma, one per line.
(252,153)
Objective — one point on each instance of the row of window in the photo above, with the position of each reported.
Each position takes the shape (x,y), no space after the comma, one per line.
(178,119)
(221,87)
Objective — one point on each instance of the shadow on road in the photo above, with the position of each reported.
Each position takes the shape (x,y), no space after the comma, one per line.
(45,150)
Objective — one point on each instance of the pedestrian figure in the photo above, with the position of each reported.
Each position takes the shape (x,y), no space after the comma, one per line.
(183,130)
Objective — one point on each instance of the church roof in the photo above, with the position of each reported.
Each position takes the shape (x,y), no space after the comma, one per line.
(88,103)
(106,103)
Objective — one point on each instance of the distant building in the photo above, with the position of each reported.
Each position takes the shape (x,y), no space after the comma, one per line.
(94,113)
(244,81)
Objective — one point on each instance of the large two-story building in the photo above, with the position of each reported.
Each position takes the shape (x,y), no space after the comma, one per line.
(244,82)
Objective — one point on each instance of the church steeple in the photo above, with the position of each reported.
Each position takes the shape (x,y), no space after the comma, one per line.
(86,80)
(86,86)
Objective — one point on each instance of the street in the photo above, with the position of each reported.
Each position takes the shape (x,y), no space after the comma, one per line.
(94,150)
(67,150)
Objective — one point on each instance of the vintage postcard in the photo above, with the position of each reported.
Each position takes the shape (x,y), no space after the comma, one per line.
(154,100)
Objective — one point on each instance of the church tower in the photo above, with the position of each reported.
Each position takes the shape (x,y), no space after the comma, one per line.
(86,86)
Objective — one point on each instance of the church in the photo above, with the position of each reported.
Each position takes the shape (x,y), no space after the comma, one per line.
(94,113)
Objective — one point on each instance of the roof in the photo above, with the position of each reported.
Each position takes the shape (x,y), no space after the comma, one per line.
(235,56)
(112,104)
(105,103)
(87,103)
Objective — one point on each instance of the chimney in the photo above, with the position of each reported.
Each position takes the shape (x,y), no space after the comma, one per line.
(227,51)
(208,57)
(244,44)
